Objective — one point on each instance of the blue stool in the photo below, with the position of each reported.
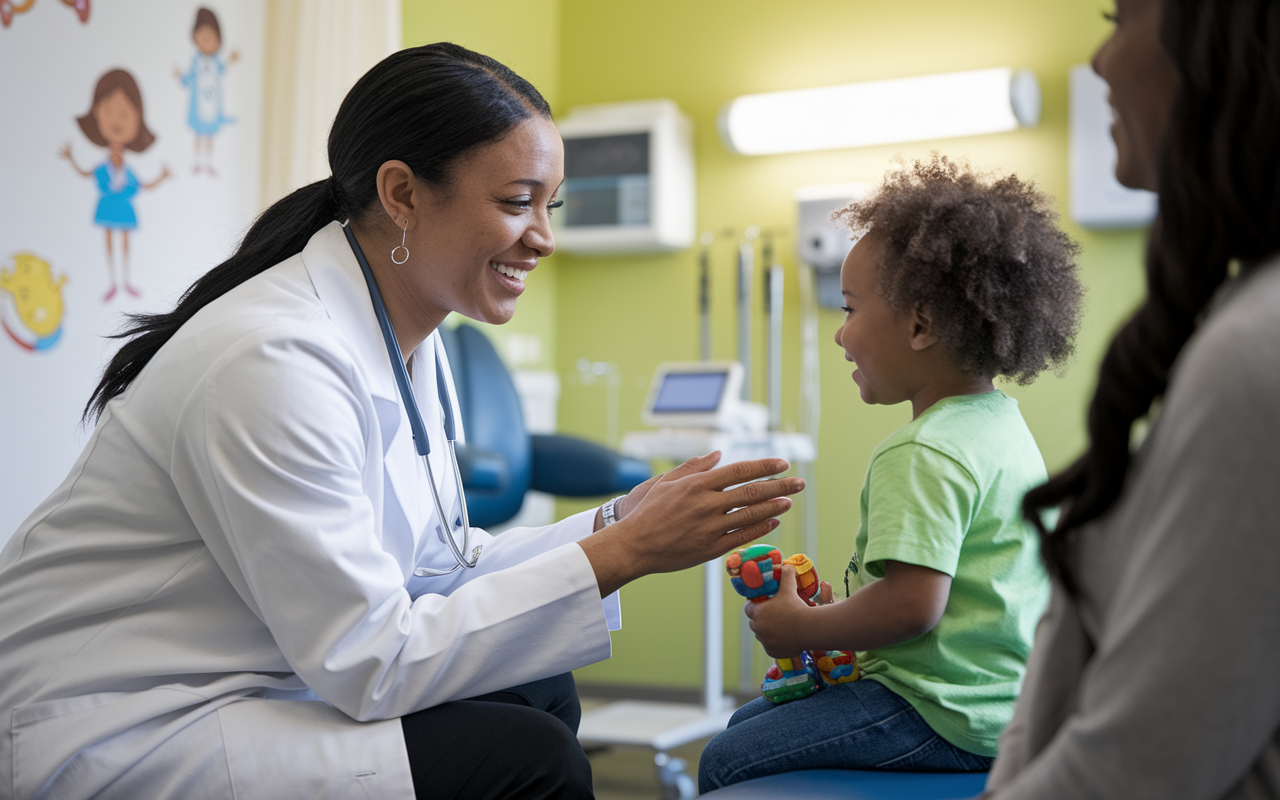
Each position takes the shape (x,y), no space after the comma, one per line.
(848,784)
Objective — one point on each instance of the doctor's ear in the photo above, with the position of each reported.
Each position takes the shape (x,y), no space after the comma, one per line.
(401,193)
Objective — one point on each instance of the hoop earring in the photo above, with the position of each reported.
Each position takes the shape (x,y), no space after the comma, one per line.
(401,247)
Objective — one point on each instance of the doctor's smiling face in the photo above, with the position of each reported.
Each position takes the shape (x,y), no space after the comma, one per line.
(473,241)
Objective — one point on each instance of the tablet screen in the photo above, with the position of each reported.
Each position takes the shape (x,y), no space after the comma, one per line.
(685,392)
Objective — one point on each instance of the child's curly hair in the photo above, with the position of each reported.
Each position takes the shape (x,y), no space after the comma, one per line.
(985,256)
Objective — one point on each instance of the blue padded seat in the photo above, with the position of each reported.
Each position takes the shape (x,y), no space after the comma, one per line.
(501,461)
(847,784)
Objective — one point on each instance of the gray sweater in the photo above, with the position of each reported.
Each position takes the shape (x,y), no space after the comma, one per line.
(1163,680)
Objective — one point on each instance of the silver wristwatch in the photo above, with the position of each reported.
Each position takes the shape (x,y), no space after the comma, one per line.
(609,511)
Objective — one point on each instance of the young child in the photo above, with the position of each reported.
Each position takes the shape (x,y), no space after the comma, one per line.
(960,278)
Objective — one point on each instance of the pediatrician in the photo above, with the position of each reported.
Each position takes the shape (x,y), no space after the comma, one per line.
(245,587)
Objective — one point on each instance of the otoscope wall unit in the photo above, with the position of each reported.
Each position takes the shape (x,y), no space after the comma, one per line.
(629,179)
(820,243)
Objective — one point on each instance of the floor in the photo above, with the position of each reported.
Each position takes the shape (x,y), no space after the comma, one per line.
(628,773)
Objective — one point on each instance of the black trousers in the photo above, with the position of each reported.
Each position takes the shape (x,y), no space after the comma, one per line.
(517,743)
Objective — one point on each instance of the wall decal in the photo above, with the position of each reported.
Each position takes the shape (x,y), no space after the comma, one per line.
(32,313)
(204,79)
(115,121)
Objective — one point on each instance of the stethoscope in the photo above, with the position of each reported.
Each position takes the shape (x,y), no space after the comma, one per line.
(416,425)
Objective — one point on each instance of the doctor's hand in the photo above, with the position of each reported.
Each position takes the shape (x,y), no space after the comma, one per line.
(628,502)
(690,515)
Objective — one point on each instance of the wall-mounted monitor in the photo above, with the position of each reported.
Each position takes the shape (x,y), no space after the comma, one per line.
(629,181)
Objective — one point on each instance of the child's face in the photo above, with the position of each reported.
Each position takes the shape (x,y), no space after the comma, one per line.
(874,336)
(117,119)
(207,39)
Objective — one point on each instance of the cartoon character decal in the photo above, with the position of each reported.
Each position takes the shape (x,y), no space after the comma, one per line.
(115,121)
(204,79)
(33,316)
(81,8)
(8,9)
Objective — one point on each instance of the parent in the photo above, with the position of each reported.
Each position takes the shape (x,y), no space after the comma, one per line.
(235,593)
(1153,673)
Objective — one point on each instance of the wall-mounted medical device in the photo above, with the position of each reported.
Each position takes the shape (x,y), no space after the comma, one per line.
(821,243)
(701,394)
(628,179)
(1097,198)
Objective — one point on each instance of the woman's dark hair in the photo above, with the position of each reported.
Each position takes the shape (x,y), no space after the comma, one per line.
(426,106)
(206,18)
(117,80)
(1218,201)
(984,254)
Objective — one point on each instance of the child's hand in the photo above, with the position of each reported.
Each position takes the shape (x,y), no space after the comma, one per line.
(776,621)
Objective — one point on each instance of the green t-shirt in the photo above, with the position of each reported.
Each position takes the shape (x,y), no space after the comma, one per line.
(945,492)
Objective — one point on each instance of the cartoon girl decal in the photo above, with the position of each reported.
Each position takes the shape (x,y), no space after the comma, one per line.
(204,79)
(8,8)
(115,122)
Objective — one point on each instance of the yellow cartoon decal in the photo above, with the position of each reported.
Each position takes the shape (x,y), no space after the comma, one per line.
(36,303)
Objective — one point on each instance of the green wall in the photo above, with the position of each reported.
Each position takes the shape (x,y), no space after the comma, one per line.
(636,311)
(524,35)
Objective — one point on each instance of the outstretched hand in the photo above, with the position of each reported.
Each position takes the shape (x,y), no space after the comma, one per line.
(776,621)
(694,513)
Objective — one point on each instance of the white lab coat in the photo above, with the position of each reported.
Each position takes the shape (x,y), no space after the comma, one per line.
(219,600)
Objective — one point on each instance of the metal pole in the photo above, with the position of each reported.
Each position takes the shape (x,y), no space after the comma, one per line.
(704,295)
(810,403)
(773,306)
(713,636)
(746,281)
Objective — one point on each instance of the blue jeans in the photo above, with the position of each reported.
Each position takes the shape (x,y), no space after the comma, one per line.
(858,725)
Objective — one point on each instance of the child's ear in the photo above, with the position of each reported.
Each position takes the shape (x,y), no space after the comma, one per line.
(921,333)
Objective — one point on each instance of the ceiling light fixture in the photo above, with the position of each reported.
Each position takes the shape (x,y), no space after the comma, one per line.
(882,112)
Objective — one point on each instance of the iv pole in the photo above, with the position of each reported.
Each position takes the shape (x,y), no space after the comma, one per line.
(712,588)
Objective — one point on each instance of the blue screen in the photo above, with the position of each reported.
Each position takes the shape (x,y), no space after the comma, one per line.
(690,392)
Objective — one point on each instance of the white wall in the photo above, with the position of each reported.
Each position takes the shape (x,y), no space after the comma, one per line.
(186,224)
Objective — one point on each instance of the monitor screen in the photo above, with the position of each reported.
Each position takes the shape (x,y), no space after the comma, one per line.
(606,180)
(686,392)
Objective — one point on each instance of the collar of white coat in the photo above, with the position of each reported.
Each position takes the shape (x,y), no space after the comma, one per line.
(341,288)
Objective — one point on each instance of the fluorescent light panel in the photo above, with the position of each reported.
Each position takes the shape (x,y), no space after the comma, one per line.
(882,112)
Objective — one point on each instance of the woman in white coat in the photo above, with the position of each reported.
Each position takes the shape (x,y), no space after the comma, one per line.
(233,592)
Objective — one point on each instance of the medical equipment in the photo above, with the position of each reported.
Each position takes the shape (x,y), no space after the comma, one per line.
(1098,200)
(419,429)
(629,180)
(704,296)
(746,283)
(821,243)
(773,302)
(701,394)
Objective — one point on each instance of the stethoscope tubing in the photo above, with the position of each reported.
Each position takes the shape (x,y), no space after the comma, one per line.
(418,427)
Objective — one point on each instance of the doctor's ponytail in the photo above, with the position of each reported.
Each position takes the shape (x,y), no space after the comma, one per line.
(426,106)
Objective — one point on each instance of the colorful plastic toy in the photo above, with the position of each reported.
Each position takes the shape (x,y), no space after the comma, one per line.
(754,572)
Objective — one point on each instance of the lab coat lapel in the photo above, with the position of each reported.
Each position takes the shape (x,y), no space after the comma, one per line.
(340,285)
(342,290)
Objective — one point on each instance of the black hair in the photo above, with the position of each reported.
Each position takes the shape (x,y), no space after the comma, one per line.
(984,254)
(426,106)
(1218,201)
